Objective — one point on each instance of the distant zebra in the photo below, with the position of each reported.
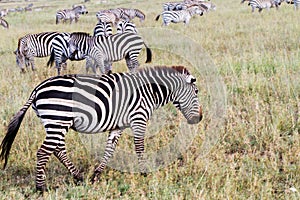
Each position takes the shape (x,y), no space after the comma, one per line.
(113,102)
(171,6)
(132,13)
(3,12)
(262,4)
(120,14)
(124,26)
(4,23)
(70,14)
(33,45)
(60,52)
(104,50)
(107,16)
(103,28)
(180,15)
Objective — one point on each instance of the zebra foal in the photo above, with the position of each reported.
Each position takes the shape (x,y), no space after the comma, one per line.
(112,102)
(104,50)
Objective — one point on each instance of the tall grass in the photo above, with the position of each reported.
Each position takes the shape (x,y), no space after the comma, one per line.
(257,154)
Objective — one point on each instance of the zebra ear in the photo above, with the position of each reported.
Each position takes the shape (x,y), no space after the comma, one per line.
(190,79)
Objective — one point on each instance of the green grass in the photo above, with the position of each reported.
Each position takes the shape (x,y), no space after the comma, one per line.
(253,149)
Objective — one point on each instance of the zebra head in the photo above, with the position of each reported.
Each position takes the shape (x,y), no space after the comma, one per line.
(20,59)
(186,96)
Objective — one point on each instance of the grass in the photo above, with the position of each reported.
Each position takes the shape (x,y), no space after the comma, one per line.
(249,62)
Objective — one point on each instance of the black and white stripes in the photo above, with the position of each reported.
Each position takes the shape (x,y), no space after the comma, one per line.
(70,14)
(113,102)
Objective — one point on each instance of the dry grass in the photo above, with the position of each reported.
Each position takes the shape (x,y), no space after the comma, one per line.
(257,156)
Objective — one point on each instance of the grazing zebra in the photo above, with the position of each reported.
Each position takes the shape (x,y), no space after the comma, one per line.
(70,14)
(33,45)
(103,28)
(262,4)
(4,23)
(107,16)
(125,26)
(171,6)
(60,52)
(180,15)
(104,50)
(120,14)
(4,12)
(113,102)
(132,13)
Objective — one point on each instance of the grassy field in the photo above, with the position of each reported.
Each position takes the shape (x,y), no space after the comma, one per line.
(246,147)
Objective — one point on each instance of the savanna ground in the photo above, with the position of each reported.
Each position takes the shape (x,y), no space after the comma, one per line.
(256,153)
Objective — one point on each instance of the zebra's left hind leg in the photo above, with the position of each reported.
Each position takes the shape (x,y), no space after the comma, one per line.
(111,144)
(61,153)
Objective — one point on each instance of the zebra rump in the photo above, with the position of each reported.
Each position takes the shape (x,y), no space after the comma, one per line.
(90,104)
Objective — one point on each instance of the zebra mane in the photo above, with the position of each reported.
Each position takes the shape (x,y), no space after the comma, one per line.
(80,33)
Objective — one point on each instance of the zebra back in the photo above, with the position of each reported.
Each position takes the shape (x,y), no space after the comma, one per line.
(125,26)
(103,28)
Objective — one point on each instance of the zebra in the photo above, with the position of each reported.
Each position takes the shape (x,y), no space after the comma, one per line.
(107,16)
(125,26)
(171,6)
(3,12)
(104,50)
(70,14)
(103,28)
(112,102)
(262,4)
(132,13)
(33,45)
(120,14)
(4,23)
(60,52)
(180,15)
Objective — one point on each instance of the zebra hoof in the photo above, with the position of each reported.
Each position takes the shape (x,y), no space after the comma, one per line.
(41,189)
(144,174)
(94,178)
(78,179)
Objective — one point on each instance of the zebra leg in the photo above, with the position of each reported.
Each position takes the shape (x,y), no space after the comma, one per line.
(111,144)
(139,130)
(108,67)
(61,153)
(55,133)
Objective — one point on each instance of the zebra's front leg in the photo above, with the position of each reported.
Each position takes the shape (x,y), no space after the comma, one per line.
(61,154)
(111,144)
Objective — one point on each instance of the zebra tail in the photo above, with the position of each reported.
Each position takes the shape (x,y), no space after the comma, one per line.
(12,130)
(51,59)
(157,17)
(149,54)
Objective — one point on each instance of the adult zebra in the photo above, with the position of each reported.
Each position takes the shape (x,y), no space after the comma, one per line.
(113,102)
(33,45)
(70,14)
(104,50)
(4,23)
(132,13)
(180,15)
(263,4)
(107,16)
(125,26)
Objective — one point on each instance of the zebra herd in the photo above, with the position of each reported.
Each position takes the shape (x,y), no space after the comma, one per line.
(176,12)
(92,104)
(267,4)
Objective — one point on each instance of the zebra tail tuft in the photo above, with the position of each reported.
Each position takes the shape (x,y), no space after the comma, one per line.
(157,17)
(12,130)
(149,55)
(51,59)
